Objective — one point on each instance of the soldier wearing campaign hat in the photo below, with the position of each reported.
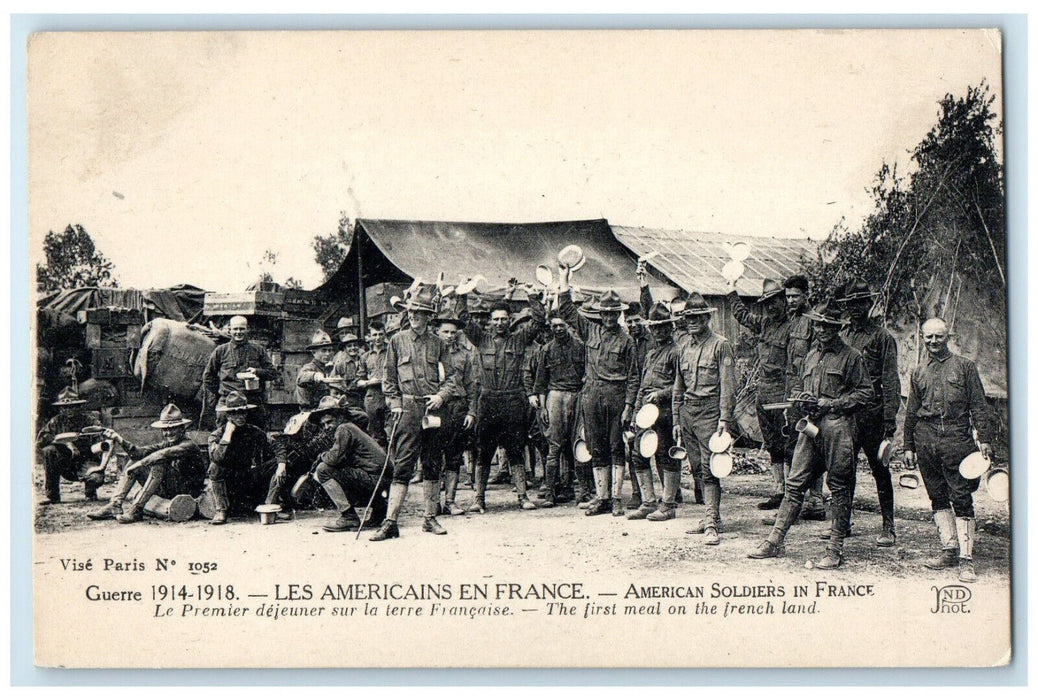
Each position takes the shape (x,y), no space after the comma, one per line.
(347,362)
(835,375)
(703,403)
(419,379)
(310,380)
(610,390)
(235,448)
(878,420)
(771,327)
(167,468)
(68,459)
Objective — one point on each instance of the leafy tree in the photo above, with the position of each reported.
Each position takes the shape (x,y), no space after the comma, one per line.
(330,250)
(270,261)
(73,261)
(935,230)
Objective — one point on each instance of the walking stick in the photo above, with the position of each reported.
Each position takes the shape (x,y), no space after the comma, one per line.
(389,451)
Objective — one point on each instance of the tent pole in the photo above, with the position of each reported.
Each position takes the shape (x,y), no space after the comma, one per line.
(361,296)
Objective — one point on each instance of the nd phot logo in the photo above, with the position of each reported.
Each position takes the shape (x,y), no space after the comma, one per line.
(951,599)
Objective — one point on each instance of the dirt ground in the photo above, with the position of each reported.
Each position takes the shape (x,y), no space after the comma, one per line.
(507,539)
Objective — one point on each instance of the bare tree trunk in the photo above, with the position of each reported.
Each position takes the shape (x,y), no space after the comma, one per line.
(991,241)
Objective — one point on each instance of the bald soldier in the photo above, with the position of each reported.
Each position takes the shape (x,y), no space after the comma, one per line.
(239,355)
(945,403)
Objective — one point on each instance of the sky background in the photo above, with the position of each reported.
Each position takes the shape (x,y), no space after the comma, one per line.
(224,145)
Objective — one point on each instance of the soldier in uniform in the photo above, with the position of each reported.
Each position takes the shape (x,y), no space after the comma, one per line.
(704,402)
(501,418)
(237,356)
(346,366)
(69,459)
(772,330)
(167,468)
(419,379)
(460,412)
(610,390)
(560,375)
(369,378)
(657,388)
(310,380)
(350,468)
(878,420)
(301,442)
(835,375)
(945,396)
(800,336)
(234,449)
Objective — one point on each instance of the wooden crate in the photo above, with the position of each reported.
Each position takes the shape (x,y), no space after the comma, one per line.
(243,303)
(377,297)
(296,335)
(110,363)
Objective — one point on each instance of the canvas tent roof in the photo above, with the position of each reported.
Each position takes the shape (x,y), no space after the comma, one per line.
(399,251)
(693,259)
(180,303)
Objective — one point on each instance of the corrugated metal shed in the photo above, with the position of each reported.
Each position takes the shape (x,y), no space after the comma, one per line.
(693,259)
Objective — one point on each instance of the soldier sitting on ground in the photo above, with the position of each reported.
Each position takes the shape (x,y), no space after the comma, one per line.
(167,468)
(69,459)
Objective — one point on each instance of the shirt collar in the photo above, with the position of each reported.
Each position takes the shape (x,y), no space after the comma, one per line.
(941,358)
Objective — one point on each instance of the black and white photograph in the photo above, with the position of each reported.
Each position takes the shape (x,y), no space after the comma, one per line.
(519,349)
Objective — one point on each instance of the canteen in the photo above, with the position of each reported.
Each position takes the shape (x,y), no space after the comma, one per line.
(581,452)
(885,451)
(648,443)
(572,256)
(733,270)
(720,442)
(974,465)
(543,275)
(647,415)
(721,464)
(739,251)
(268,512)
(997,483)
(805,426)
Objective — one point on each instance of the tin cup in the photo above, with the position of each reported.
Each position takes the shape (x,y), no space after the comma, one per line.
(431,421)
(268,512)
(997,483)
(805,426)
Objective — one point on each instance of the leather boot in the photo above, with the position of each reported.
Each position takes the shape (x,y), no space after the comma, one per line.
(431,491)
(833,559)
(601,503)
(766,550)
(341,524)
(450,481)
(668,506)
(519,477)
(111,511)
(479,503)
(966,529)
(648,504)
(618,489)
(585,486)
(133,515)
(887,537)
(947,531)
(389,529)
(219,489)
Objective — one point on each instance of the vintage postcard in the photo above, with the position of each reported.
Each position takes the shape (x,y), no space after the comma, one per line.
(519,349)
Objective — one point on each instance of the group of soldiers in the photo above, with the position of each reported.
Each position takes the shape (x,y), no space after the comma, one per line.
(464,379)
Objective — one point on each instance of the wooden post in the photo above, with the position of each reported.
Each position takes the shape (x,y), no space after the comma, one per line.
(361,295)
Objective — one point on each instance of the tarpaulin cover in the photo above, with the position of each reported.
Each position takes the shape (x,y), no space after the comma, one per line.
(180,303)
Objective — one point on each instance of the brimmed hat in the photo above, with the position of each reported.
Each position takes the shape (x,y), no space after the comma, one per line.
(697,306)
(171,417)
(423,299)
(609,301)
(349,338)
(659,314)
(328,404)
(478,306)
(447,318)
(68,397)
(857,289)
(771,288)
(320,339)
(826,313)
(234,402)
(344,322)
